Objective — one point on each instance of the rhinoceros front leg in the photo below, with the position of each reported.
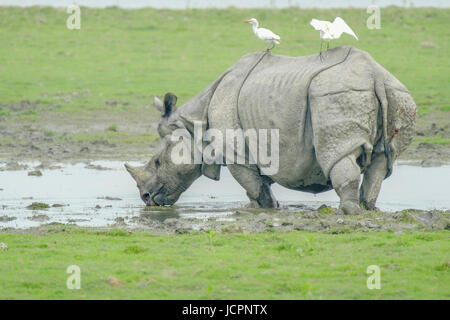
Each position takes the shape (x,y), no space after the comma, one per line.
(371,185)
(257,187)
(345,177)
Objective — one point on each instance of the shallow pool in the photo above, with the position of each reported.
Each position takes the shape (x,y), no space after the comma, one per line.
(92,197)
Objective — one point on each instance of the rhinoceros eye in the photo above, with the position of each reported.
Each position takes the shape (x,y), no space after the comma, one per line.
(157,164)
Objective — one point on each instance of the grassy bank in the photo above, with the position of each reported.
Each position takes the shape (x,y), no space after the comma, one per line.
(125,54)
(121,58)
(295,265)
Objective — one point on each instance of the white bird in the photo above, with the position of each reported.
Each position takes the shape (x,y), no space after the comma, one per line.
(263,33)
(330,31)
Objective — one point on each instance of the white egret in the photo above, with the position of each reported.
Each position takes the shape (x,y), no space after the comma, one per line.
(330,31)
(263,33)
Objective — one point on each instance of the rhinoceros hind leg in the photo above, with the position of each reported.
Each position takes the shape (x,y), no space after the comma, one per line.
(258,189)
(345,177)
(371,185)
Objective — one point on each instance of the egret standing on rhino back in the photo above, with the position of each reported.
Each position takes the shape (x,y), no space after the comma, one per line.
(264,34)
(330,31)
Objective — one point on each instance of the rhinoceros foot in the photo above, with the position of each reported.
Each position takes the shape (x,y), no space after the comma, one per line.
(350,208)
(253,204)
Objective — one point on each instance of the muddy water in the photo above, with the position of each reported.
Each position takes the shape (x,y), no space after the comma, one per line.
(92,197)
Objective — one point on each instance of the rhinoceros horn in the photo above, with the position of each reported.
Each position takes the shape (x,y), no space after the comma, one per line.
(136,172)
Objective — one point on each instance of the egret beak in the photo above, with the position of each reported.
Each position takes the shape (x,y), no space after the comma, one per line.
(246,21)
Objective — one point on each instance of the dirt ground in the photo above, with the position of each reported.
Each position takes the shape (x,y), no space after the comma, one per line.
(65,137)
(325,219)
(77,137)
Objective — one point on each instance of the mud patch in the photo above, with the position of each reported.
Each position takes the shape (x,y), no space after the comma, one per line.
(7,218)
(96,167)
(110,198)
(39,218)
(32,131)
(35,173)
(13,166)
(247,221)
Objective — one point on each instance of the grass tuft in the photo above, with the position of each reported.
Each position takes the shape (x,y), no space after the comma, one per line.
(38,206)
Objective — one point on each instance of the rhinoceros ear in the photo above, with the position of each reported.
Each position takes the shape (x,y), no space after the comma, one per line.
(166,108)
(170,100)
(158,104)
(136,172)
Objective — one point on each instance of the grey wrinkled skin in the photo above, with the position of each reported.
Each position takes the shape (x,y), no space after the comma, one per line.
(337,119)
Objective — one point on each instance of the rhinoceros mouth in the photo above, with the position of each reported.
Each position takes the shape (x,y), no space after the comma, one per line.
(160,199)
(149,199)
(153,203)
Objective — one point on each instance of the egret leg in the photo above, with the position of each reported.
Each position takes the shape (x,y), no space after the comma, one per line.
(320,52)
(273,46)
(328,45)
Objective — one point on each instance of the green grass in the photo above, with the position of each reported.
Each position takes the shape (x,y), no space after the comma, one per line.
(112,128)
(38,206)
(326,210)
(130,55)
(117,137)
(4,113)
(423,111)
(432,140)
(296,265)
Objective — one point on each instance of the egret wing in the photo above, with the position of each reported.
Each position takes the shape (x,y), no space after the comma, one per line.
(317,24)
(339,26)
(266,34)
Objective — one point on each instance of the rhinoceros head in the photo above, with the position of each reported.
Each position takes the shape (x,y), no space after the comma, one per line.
(161,181)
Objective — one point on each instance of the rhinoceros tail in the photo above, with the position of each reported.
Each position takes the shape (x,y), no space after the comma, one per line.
(380,92)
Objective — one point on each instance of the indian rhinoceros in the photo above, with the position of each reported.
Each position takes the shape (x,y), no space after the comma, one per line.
(336,119)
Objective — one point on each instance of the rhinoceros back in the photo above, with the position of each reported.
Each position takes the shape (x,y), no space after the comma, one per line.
(323,110)
(271,92)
